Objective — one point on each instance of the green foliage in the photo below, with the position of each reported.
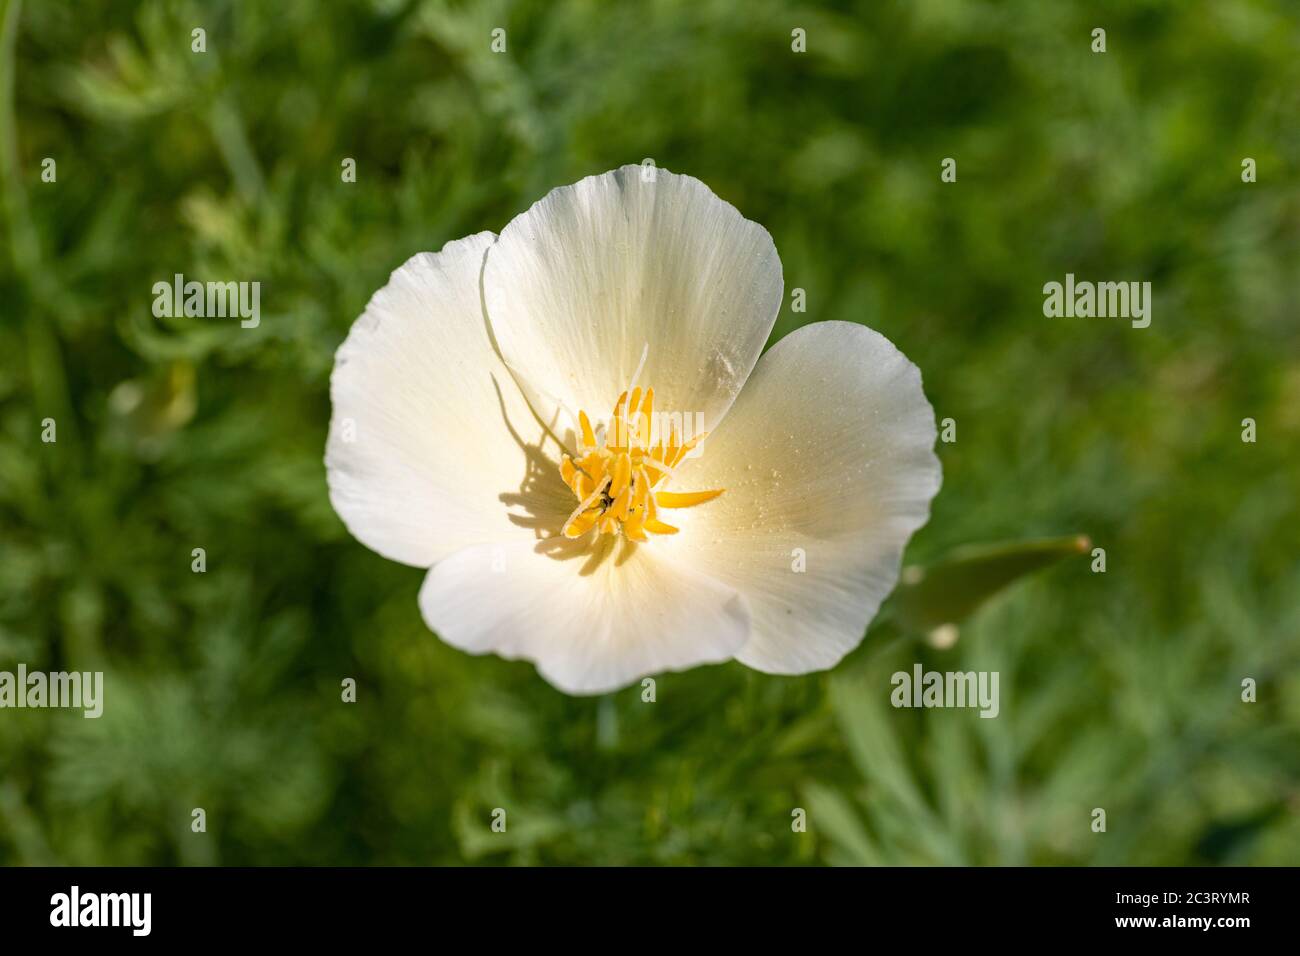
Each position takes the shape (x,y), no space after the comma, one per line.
(1119,690)
(948,591)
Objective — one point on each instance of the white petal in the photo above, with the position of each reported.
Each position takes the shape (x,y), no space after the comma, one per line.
(591,626)
(581,282)
(431,442)
(829,449)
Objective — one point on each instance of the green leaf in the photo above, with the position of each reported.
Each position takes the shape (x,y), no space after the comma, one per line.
(832,814)
(948,592)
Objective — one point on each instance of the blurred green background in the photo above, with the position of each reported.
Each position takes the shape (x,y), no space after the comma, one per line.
(1118,690)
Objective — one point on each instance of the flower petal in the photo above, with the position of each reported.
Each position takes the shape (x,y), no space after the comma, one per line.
(829,449)
(579,284)
(594,615)
(430,437)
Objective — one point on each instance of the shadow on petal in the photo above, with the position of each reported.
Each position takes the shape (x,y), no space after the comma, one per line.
(543,502)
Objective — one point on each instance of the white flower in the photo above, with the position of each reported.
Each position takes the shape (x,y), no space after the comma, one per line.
(460,391)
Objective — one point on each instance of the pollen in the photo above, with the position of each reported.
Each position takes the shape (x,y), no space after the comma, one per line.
(618,470)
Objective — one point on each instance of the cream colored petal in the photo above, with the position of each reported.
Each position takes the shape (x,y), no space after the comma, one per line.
(593,615)
(578,284)
(431,446)
(828,463)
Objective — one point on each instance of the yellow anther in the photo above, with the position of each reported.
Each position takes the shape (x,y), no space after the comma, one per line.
(615,476)
(643,498)
(588,436)
(580,525)
(685,499)
(687,448)
(588,502)
(621,503)
(671,451)
(634,528)
(622,475)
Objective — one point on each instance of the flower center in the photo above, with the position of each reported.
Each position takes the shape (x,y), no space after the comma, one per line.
(616,472)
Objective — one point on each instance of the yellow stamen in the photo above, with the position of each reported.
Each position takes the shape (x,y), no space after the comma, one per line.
(587,502)
(615,475)
(581,524)
(660,468)
(687,448)
(671,450)
(622,475)
(621,503)
(634,528)
(643,498)
(685,499)
(588,436)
